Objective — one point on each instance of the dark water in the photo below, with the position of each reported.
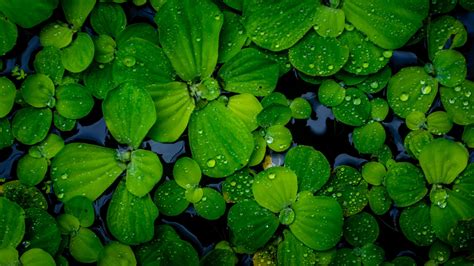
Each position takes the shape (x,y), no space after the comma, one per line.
(320,131)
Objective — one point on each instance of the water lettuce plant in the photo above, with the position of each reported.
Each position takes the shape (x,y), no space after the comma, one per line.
(236,132)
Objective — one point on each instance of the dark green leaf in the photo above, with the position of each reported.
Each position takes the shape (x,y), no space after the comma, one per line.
(129,113)
(31,125)
(12,227)
(319,56)
(131,219)
(278,25)
(249,71)
(220,142)
(189,35)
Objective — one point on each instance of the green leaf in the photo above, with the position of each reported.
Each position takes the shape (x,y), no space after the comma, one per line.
(374,173)
(85,246)
(31,171)
(457,207)
(274,114)
(361,229)
(138,30)
(278,25)
(129,113)
(222,254)
(9,256)
(73,101)
(170,198)
(260,149)
(143,172)
(12,227)
(275,188)
(105,48)
(331,93)
(376,82)
(28,13)
(379,200)
(7,96)
(439,123)
(278,138)
(371,254)
(292,252)
(250,71)
(310,166)
(108,19)
(330,21)
(355,109)
(365,57)
(56,34)
(116,253)
(442,160)
(38,91)
(349,188)
(141,61)
(41,231)
(405,184)
(189,35)
(415,223)
(251,226)
(186,173)
(98,80)
(6,137)
(445,32)
(246,107)
(369,138)
(131,219)
(379,110)
(76,11)
(48,62)
(9,35)
(389,24)
(174,107)
(238,187)
(458,102)
(319,56)
(232,37)
(25,196)
(318,222)
(411,89)
(79,54)
(450,67)
(167,249)
(62,123)
(82,208)
(300,108)
(84,169)
(220,142)
(68,224)
(37,257)
(211,206)
(31,125)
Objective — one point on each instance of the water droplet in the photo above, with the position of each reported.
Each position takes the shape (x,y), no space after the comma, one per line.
(330,67)
(404,97)
(426,89)
(356,101)
(374,85)
(64,177)
(271,176)
(457,89)
(387,54)
(129,61)
(211,163)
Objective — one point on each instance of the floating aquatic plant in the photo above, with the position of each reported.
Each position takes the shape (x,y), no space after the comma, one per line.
(229,132)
